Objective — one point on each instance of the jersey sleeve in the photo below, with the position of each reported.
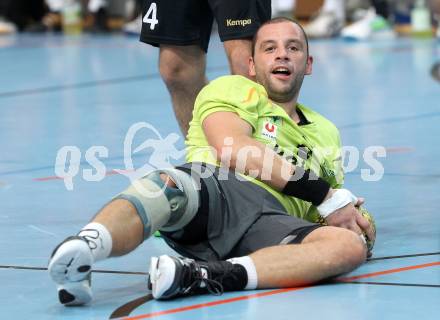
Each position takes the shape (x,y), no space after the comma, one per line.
(229,94)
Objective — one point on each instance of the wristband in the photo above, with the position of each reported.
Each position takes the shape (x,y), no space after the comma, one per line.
(308,187)
(339,199)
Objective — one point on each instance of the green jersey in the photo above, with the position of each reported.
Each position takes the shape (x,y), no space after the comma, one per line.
(313,145)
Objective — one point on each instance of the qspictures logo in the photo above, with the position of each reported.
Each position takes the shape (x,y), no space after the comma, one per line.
(236,23)
(160,151)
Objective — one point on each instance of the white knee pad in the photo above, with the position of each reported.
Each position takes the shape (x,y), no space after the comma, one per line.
(161,207)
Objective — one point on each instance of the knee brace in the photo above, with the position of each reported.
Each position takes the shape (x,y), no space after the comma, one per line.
(161,207)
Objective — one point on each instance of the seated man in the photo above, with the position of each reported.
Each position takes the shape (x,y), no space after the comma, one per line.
(234,210)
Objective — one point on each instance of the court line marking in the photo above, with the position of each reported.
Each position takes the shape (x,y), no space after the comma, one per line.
(388,120)
(128,308)
(113,172)
(89,84)
(41,230)
(146,273)
(106,161)
(93,271)
(405,256)
(395,284)
(380,273)
(109,160)
(213,303)
(107,174)
(272,292)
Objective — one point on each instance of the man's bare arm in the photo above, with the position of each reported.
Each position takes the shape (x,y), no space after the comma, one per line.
(246,154)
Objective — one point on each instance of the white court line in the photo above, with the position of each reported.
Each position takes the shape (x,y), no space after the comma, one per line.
(41,230)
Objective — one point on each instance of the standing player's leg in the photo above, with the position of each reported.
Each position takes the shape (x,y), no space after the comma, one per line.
(238,53)
(182,30)
(238,20)
(183,70)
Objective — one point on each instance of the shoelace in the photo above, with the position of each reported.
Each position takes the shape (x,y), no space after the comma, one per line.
(195,272)
(91,239)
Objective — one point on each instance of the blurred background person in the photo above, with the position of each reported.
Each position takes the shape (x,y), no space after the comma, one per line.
(17,15)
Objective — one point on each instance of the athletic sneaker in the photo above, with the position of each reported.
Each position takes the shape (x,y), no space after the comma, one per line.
(171,277)
(133,27)
(371,26)
(70,267)
(324,25)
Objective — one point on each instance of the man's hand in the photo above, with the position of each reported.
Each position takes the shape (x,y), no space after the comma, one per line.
(350,218)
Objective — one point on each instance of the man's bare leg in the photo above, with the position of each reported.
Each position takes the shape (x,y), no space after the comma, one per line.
(118,228)
(238,53)
(125,227)
(324,253)
(183,70)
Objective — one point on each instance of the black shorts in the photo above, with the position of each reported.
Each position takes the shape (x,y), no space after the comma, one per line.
(189,22)
(235,218)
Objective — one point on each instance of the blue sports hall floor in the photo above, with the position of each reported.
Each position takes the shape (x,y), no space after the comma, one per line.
(86,92)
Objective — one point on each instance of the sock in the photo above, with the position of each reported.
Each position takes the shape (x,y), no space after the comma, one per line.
(251,271)
(335,6)
(100,240)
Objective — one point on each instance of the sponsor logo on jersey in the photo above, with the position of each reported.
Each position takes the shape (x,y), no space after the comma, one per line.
(235,23)
(269,130)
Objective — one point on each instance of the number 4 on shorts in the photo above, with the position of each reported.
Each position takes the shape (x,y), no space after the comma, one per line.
(150,16)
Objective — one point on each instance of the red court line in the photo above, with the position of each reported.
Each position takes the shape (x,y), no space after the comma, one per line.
(47,178)
(113,172)
(213,303)
(108,173)
(399,149)
(375,274)
(273,292)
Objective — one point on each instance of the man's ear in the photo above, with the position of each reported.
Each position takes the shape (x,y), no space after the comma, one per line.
(309,65)
(251,64)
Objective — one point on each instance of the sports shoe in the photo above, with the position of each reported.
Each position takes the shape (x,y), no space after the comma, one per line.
(369,27)
(170,277)
(133,27)
(324,25)
(70,267)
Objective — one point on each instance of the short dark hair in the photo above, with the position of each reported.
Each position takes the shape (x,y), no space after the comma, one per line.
(278,20)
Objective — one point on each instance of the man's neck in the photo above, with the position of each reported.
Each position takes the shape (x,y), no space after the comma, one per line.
(290,108)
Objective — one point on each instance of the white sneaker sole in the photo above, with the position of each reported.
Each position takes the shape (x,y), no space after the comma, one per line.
(75,293)
(162,275)
(70,268)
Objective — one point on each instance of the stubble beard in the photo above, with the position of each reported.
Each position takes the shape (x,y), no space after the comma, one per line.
(285,94)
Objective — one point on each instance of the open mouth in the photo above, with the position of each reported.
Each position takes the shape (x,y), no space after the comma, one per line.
(281,71)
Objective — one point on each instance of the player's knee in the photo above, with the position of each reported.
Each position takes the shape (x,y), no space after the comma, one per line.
(347,248)
(178,74)
(171,72)
(352,248)
(164,200)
